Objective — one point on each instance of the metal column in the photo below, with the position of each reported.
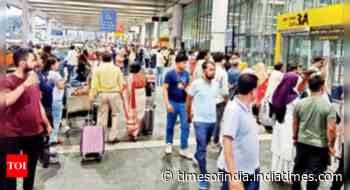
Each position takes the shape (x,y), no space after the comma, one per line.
(2,37)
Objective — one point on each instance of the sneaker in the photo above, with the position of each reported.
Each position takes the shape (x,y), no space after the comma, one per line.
(195,161)
(53,154)
(215,146)
(169,149)
(58,142)
(66,129)
(54,160)
(186,154)
(203,185)
(114,141)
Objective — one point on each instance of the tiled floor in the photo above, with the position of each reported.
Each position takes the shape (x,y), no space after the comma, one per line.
(138,166)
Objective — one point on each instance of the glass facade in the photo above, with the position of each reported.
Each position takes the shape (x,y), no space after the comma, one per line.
(300,48)
(14,25)
(298,5)
(197,24)
(164,29)
(251,30)
(252,27)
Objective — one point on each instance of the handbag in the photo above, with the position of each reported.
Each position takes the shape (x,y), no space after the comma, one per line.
(264,114)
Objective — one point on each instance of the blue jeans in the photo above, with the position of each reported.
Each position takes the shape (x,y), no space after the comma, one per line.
(71,72)
(57,107)
(159,76)
(204,132)
(179,109)
(61,68)
(126,70)
(248,185)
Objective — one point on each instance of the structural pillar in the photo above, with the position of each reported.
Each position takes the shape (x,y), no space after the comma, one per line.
(218,25)
(2,37)
(26,18)
(176,32)
(156,30)
(278,48)
(49,30)
(143,34)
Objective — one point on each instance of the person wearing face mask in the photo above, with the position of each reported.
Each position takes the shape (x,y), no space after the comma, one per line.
(240,156)
(233,74)
(23,120)
(236,57)
(201,97)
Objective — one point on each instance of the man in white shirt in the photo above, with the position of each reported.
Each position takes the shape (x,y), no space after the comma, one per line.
(221,78)
(160,67)
(72,62)
(275,79)
(202,56)
(202,98)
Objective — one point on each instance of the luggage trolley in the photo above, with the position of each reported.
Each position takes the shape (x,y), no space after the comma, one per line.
(76,106)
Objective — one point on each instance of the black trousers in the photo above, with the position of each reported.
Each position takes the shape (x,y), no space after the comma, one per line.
(45,154)
(32,146)
(309,160)
(220,108)
(337,184)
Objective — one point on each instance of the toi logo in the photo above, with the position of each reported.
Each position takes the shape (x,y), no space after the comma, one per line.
(16,165)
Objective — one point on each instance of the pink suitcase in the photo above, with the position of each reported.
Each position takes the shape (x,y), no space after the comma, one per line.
(92,143)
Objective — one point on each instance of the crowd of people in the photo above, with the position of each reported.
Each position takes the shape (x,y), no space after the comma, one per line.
(224,98)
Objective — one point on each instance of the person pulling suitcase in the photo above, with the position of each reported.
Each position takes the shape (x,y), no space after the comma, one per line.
(92,140)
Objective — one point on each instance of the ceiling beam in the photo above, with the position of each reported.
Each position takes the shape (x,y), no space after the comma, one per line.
(99,4)
(88,19)
(91,12)
(130,11)
(140,3)
(69,16)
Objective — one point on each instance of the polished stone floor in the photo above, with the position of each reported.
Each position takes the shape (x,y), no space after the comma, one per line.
(136,165)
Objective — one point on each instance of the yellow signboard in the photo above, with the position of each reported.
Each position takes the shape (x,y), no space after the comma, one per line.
(119,34)
(332,15)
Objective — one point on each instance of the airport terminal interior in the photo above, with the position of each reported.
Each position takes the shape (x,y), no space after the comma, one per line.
(154,37)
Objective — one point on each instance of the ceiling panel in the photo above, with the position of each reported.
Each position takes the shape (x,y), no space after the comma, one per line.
(85,13)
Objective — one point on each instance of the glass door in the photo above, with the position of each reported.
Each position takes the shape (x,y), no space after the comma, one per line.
(297,50)
(336,62)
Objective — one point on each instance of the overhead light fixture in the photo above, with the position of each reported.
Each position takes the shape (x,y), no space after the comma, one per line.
(95,4)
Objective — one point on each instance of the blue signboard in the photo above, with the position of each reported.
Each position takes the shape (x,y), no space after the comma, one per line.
(56,32)
(108,20)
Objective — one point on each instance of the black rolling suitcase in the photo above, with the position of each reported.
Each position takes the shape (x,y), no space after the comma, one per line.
(147,121)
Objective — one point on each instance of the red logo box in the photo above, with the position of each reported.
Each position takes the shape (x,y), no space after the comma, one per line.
(16,165)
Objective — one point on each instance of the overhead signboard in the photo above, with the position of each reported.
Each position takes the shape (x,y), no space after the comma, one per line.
(108,20)
(332,15)
(120,30)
